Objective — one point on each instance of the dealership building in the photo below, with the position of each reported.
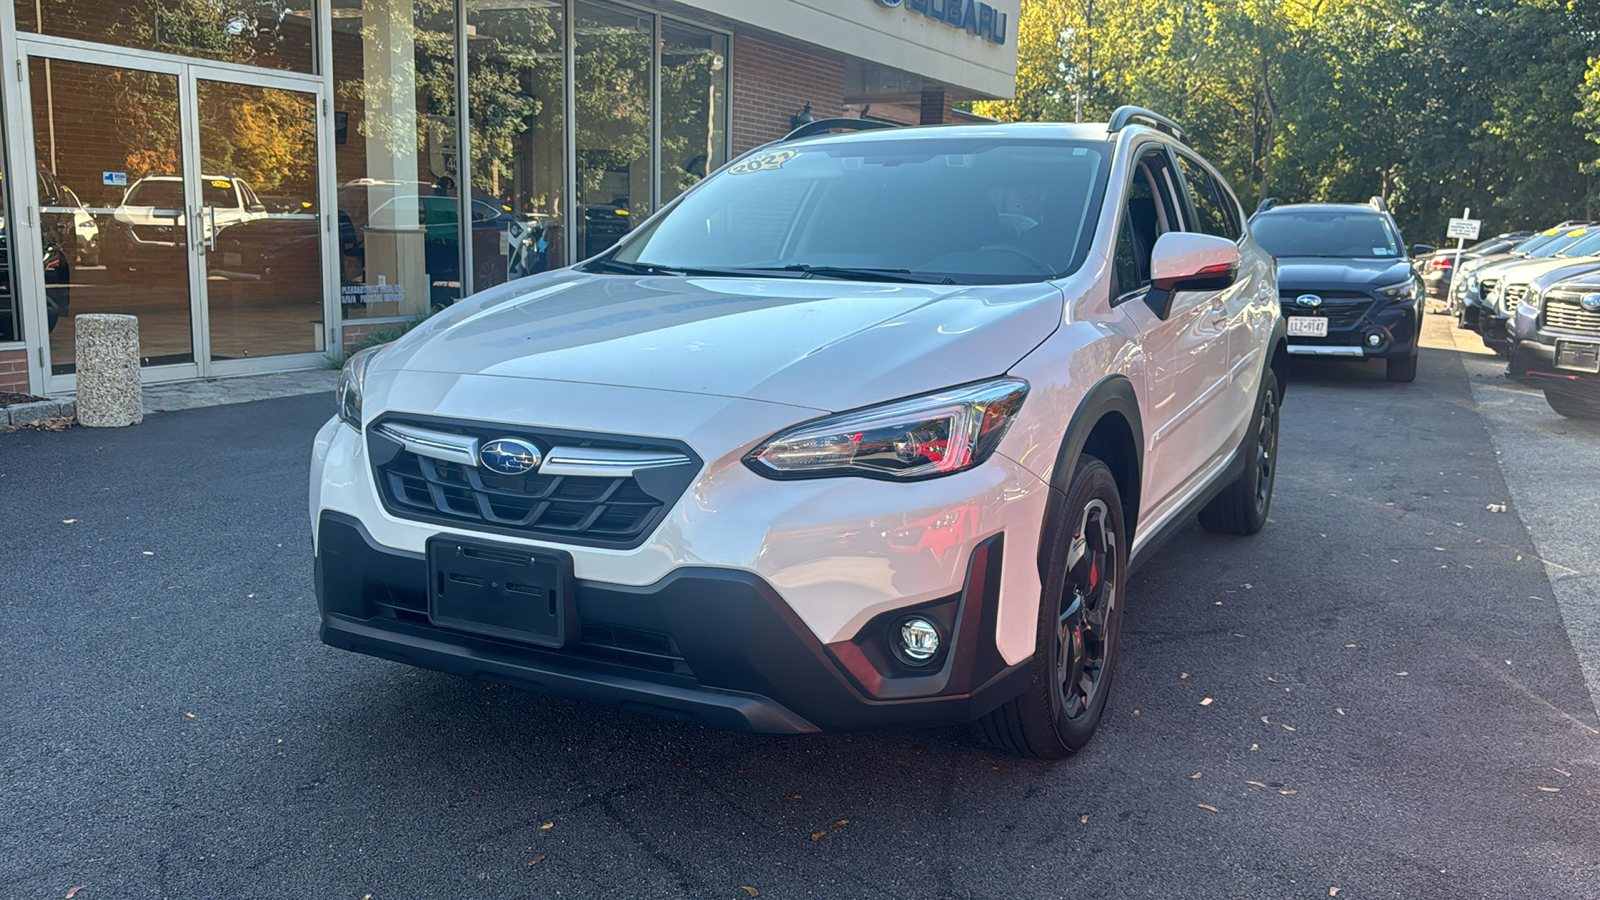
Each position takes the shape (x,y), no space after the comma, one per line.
(264,183)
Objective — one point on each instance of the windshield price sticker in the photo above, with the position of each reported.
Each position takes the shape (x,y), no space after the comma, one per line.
(1464,228)
(762,162)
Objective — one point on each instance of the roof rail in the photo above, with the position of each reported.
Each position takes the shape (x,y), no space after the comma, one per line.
(823,126)
(1267,204)
(1126,114)
(1378,204)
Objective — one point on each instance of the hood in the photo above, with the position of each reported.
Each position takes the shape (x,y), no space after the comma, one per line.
(805,342)
(1576,272)
(1530,270)
(1311,272)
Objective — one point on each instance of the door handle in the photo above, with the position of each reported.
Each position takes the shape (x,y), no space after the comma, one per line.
(211,237)
(197,235)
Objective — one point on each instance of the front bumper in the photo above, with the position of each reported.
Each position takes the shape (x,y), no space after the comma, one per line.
(1396,327)
(715,646)
(1533,362)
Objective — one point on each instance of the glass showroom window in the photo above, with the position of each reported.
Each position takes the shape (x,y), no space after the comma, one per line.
(694,105)
(394,74)
(516,87)
(612,61)
(276,34)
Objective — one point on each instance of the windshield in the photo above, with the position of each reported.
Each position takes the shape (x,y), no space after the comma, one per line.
(1588,245)
(163,194)
(966,210)
(1557,244)
(1335,234)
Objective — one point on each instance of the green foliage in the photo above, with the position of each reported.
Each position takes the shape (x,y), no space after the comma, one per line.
(1432,104)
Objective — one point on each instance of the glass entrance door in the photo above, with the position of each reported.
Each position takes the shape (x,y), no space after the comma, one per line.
(109,162)
(259,207)
(186,195)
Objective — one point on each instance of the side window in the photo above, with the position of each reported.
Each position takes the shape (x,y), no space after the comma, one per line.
(1150,212)
(1210,209)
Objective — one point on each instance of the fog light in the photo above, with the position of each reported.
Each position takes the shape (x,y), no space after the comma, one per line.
(1374,339)
(919,641)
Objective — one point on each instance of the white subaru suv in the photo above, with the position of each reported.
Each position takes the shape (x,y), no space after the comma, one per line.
(865,430)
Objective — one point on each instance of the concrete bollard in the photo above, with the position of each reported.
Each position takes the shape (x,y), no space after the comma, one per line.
(109,394)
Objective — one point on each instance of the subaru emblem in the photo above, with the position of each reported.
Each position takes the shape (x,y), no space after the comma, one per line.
(1310,301)
(509,456)
(1591,302)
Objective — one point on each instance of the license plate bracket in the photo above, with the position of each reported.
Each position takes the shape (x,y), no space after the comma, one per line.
(1579,356)
(501,590)
(1308,326)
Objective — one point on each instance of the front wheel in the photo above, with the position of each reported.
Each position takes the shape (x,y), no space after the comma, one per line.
(1571,405)
(1080,617)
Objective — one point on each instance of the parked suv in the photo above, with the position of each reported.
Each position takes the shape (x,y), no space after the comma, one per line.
(1555,344)
(1349,289)
(1504,286)
(864,430)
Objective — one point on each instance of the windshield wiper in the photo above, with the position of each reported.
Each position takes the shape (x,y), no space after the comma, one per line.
(897,275)
(607,264)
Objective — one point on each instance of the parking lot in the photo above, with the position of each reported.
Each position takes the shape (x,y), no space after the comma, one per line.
(1382,695)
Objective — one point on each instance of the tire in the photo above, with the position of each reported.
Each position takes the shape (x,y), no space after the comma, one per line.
(1242,506)
(1080,618)
(1570,405)
(1402,369)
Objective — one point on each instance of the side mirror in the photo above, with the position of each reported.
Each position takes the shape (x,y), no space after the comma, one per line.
(1423,249)
(1182,261)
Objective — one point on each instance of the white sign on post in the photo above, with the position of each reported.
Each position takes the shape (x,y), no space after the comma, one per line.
(1464,228)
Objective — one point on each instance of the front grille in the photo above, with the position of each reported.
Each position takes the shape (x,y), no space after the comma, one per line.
(1514,295)
(597,510)
(1569,317)
(1342,313)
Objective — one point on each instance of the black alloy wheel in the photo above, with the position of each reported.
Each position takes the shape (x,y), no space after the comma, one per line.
(1083,635)
(1266,453)
(1080,617)
(1241,507)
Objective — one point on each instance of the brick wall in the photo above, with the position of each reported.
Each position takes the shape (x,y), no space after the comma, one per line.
(14,371)
(772,81)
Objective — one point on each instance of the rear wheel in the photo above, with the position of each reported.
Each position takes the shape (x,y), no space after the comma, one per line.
(1242,506)
(1571,405)
(1401,369)
(1080,617)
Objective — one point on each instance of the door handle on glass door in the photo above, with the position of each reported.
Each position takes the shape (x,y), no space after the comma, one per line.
(211,236)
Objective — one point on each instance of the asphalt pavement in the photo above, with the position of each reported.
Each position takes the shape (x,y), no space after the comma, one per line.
(1378,696)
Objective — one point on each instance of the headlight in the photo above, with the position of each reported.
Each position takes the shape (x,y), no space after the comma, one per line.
(1405,290)
(352,379)
(1531,303)
(920,437)
(1472,282)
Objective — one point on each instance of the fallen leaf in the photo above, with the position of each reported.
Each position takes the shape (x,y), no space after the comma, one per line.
(1440,549)
(1183,674)
(841,823)
(998,770)
(818,836)
(1402,674)
(1219,603)
(750,890)
(684,761)
(74,892)
(1349,646)
(1248,586)
(1083,819)
(1136,712)
(1254,747)
(1333,892)
(1288,728)
(792,797)
(1256,784)
(190,715)
(1266,721)
(149,553)
(1496,507)
(1550,790)
(1288,793)
(69,522)
(1207,807)
(1339,710)
(1561,771)
(547,826)
(1207,702)
(1196,775)
(537,859)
